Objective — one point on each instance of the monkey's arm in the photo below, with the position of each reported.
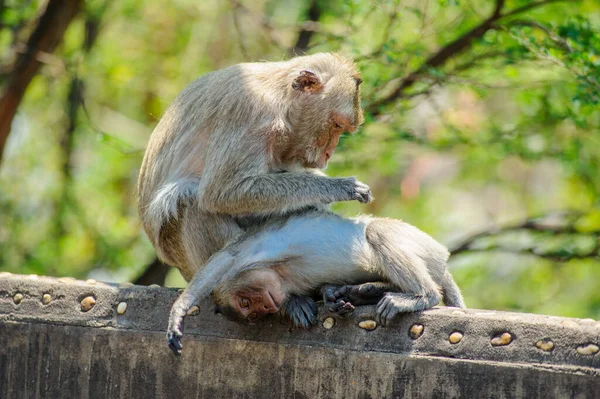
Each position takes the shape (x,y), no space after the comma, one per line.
(222,266)
(219,267)
(247,186)
(282,193)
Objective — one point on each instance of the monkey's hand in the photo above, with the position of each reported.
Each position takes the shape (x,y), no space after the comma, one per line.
(359,191)
(175,330)
(301,310)
(334,300)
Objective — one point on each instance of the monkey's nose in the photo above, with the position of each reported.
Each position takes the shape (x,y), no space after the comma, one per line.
(269,308)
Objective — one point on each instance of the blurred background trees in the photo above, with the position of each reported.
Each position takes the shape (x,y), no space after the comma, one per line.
(482,128)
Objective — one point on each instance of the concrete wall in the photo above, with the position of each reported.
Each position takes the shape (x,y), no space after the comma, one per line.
(51,348)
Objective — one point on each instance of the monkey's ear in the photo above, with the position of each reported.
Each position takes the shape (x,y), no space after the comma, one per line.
(307,81)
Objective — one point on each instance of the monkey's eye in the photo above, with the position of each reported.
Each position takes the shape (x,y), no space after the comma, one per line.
(244,303)
(252,317)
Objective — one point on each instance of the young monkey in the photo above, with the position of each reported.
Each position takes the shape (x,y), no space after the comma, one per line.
(268,267)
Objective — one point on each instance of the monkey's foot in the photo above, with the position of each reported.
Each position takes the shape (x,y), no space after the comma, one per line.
(302,310)
(174,340)
(334,300)
(362,294)
(394,303)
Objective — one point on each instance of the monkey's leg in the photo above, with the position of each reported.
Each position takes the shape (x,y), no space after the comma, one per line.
(301,310)
(452,295)
(417,289)
(342,300)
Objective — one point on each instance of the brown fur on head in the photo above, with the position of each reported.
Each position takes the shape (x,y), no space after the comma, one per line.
(250,296)
(324,103)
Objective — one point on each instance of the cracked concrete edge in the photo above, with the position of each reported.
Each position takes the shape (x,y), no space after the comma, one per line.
(469,334)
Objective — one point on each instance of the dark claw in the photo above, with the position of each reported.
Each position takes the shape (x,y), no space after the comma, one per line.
(174,340)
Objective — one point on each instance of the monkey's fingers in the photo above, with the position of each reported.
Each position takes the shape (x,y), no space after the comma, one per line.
(340,293)
(174,340)
(302,311)
(387,309)
(340,308)
(363,193)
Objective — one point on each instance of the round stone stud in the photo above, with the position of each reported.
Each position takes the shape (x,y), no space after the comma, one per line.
(368,325)
(154,286)
(193,311)
(328,323)
(122,308)
(66,280)
(125,285)
(91,281)
(87,303)
(545,344)
(17,298)
(455,337)
(502,340)
(416,330)
(46,299)
(589,349)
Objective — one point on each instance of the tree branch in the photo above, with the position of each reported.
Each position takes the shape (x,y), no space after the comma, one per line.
(554,257)
(542,223)
(451,50)
(528,7)
(46,36)
(305,34)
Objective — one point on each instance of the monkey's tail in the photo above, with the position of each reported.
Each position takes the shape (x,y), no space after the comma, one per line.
(166,201)
(452,295)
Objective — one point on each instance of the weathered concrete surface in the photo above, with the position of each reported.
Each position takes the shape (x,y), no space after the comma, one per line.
(50,348)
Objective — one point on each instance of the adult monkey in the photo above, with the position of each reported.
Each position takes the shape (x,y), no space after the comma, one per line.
(238,145)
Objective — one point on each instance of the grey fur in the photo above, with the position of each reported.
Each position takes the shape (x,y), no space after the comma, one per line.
(319,247)
(218,153)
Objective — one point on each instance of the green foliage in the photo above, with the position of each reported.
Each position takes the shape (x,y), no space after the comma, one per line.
(503,126)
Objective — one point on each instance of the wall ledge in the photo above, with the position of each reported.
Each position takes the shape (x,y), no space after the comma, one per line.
(522,352)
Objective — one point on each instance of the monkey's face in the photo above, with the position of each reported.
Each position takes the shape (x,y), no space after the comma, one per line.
(324,108)
(260,295)
(326,143)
